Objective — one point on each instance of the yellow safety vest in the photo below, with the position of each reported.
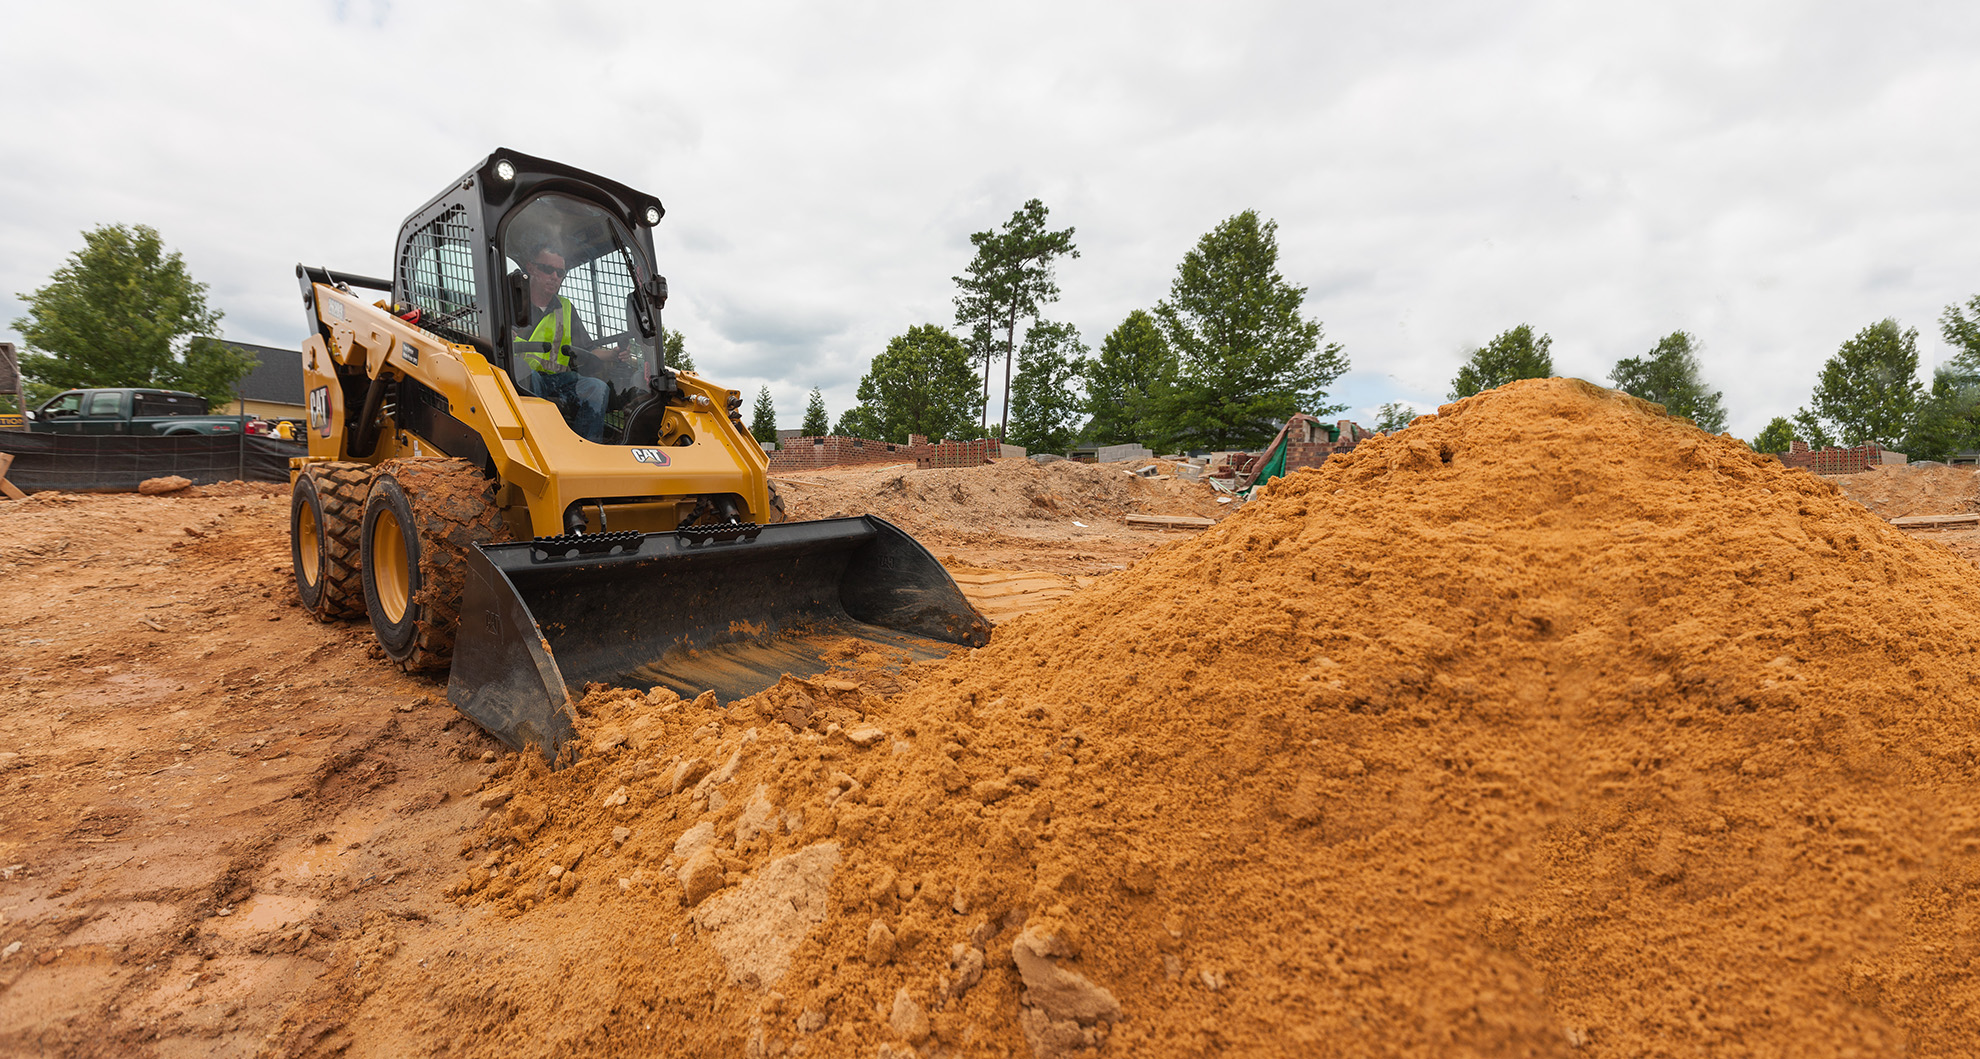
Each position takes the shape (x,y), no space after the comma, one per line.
(548,348)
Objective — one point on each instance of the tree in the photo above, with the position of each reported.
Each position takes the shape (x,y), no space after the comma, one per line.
(1515,354)
(815,423)
(1948,417)
(1134,369)
(1809,428)
(1961,330)
(122,312)
(1007,282)
(675,353)
(1869,391)
(1246,360)
(1668,375)
(1393,416)
(763,423)
(1778,436)
(1045,398)
(923,383)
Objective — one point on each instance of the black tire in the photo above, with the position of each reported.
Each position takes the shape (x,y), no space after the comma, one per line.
(776,506)
(325,513)
(419,520)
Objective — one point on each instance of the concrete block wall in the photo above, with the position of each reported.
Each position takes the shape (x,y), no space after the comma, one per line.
(960,454)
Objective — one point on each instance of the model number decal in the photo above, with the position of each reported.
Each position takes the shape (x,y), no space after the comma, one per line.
(409,351)
(652,456)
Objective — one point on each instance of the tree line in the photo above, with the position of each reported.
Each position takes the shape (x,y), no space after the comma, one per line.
(1220,363)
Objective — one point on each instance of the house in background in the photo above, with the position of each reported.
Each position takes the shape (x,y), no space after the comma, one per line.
(274,389)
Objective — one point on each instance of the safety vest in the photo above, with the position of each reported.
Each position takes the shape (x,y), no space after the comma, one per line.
(548,348)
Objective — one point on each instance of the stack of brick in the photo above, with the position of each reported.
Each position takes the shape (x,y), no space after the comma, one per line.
(1347,434)
(1833,460)
(960,454)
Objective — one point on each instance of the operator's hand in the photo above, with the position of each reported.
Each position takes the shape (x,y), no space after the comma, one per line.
(613,354)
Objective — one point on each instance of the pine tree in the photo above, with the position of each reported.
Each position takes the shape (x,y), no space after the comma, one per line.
(815,422)
(763,425)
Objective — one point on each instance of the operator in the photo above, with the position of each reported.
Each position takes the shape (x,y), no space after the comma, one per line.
(546,342)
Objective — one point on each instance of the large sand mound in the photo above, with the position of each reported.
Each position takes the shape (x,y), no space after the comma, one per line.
(1922,489)
(1549,726)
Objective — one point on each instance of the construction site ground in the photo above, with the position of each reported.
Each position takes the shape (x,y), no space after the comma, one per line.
(208,800)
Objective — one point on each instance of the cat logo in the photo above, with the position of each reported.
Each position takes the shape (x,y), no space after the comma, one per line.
(319,410)
(652,456)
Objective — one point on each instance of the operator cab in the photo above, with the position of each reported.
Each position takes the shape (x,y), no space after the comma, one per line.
(548,272)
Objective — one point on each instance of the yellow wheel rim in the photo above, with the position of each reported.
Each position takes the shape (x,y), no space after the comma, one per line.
(391,573)
(306,536)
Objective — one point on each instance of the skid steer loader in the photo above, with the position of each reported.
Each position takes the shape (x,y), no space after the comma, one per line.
(506,477)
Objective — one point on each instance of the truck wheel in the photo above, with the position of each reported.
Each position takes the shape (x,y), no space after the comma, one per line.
(420,519)
(324,516)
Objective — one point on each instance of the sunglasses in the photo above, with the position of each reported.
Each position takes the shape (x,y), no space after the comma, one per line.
(549,270)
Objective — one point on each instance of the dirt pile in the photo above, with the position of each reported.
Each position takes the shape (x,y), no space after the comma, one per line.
(1005,492)
(1549,726)
(1895,492)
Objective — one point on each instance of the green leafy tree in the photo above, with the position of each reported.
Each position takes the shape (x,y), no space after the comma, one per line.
(923,383)
(1668,375)
(1948,417)
(1246,360)
(1046,403)
(1393,416)
(1869,391)
(1515,354)
(1808,427)
(1007,282)
(122,312)
(1778,436)
(859,421)
(674,351)
(815,423)
(1961,330)
(763,420)
(1123,384)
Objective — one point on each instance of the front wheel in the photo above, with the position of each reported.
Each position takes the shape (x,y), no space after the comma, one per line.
(419,520)
(324,515)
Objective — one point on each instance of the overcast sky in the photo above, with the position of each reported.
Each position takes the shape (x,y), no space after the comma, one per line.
(1772,177)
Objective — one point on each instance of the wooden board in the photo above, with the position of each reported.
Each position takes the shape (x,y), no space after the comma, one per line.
(6,487)
(1170,521)
(1970,518)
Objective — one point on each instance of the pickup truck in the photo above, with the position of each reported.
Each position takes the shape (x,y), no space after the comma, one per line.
(131,411)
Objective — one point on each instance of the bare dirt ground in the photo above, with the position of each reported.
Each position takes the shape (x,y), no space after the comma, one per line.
(210,804)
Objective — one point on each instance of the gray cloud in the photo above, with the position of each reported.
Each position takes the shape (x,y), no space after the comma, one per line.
(1769,176)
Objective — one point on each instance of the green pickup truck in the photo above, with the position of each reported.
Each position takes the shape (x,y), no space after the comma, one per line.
(131,411)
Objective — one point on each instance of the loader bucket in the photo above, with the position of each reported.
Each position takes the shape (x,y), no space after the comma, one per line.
(693,611)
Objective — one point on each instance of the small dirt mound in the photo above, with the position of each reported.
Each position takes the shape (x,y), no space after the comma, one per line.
(1548,726)
(1895,492)
(1009,493)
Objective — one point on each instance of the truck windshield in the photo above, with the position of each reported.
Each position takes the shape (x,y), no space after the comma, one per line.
(580,274)
(168,404)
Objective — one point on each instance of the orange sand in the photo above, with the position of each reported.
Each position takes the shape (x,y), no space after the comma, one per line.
(1548,726)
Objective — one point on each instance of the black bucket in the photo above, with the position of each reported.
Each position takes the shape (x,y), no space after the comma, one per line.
(725,609)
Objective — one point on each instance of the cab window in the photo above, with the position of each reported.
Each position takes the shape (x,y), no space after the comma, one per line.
(107,403)
(66,405)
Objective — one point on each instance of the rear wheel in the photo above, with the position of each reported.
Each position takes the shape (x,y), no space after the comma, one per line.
(776,506)
(419,521)
(324,516)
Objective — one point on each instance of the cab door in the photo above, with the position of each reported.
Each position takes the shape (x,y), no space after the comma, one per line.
(103,413)
(62,414)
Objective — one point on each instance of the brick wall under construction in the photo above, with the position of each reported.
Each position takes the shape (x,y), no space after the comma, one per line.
(1834,460)
(798,454)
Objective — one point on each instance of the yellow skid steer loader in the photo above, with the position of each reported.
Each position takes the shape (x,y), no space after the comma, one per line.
(506,477)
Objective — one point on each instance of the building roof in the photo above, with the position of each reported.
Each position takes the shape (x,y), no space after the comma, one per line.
(278,377)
